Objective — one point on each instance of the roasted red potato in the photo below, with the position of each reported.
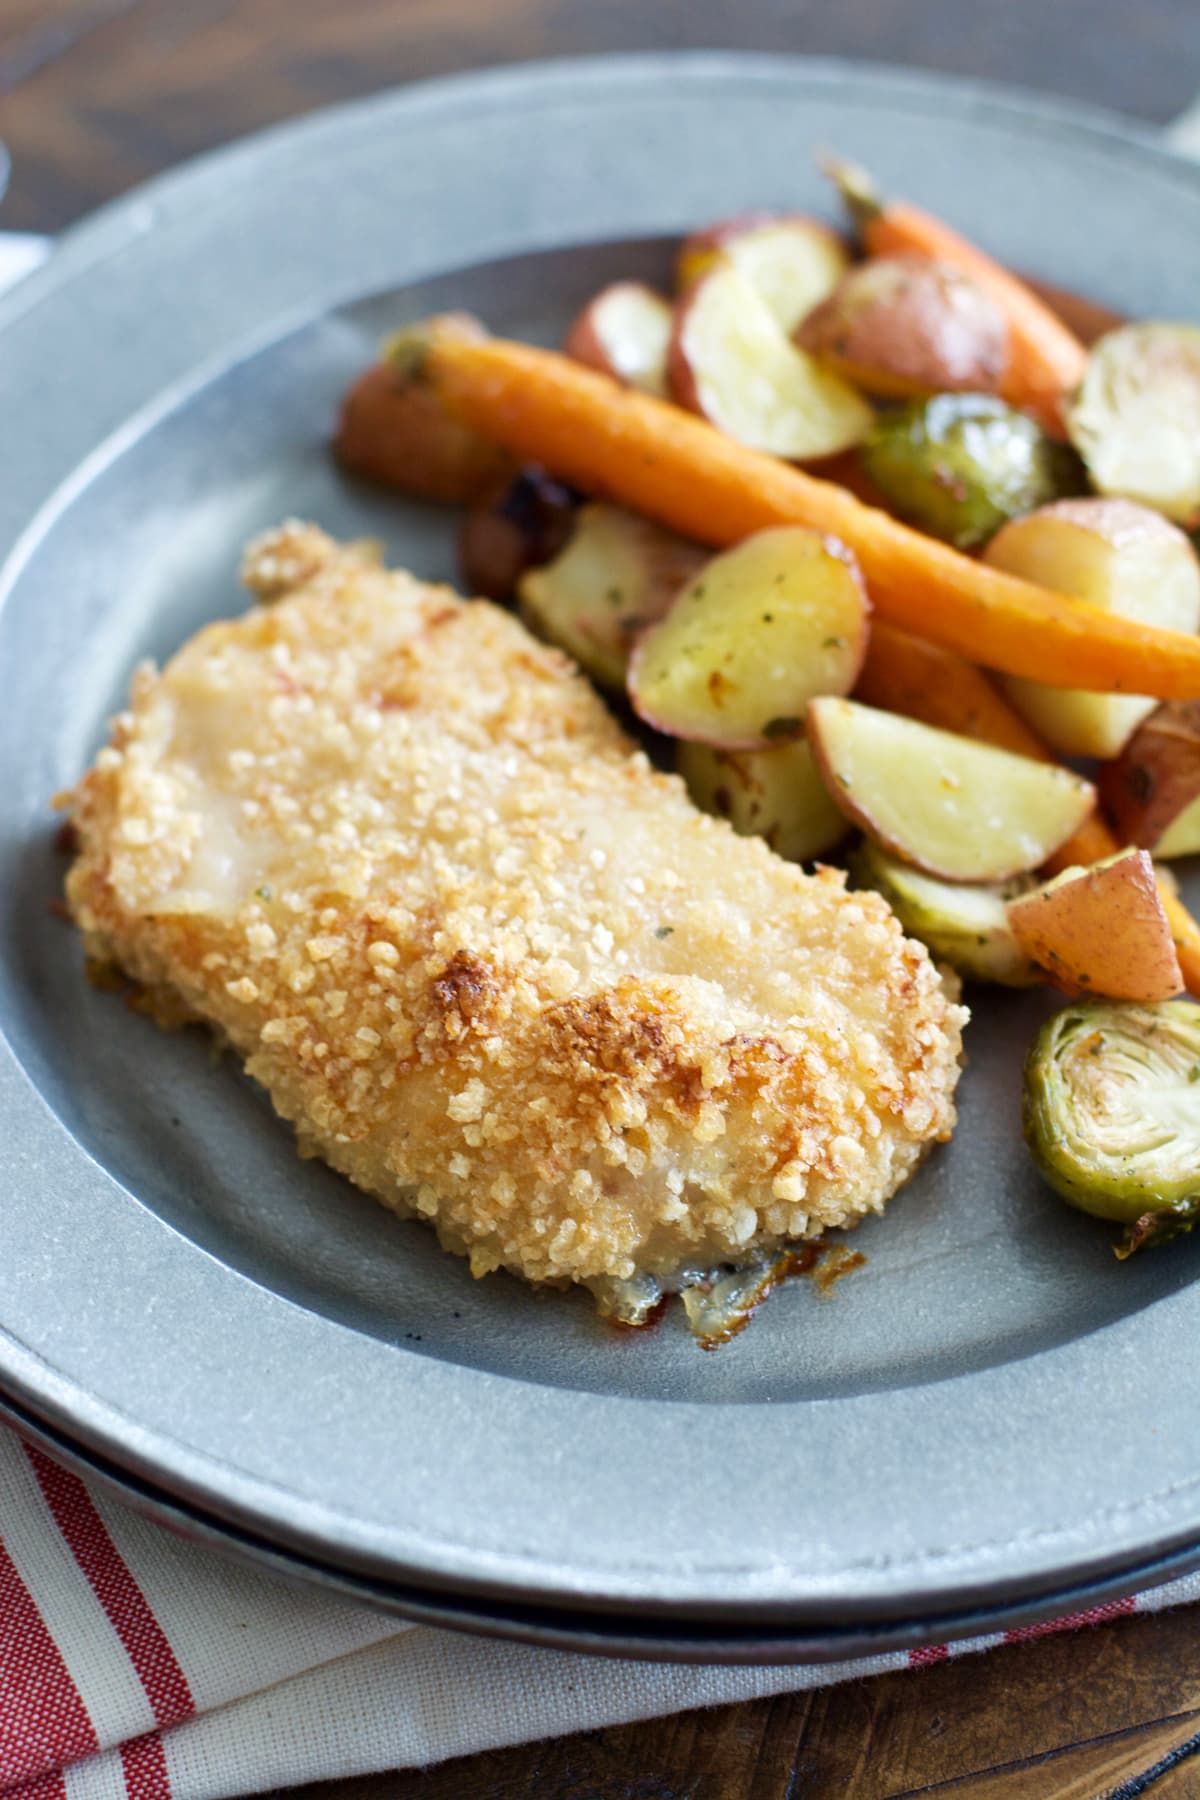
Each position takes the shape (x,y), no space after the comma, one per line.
(903,327)
(395,430)
(753,636)
(953,807)
(793,261)
(1101,931)
(732,361)
(1152,790)
(613,574)
(624,332)
(521,525)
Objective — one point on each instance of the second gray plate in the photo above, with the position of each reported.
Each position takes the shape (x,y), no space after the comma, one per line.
(980,1418)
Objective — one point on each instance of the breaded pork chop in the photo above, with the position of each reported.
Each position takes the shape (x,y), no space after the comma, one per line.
(490,964)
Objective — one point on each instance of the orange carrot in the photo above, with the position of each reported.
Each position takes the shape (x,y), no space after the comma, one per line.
(1045,359)
(908,675)
(905,675)
(678,469)
(1186,934)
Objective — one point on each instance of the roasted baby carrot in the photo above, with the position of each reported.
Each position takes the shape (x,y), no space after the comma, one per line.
(678,469)
(909,675)
(1045,358)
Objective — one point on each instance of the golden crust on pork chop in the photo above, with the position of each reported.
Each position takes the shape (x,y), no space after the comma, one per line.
(489,963)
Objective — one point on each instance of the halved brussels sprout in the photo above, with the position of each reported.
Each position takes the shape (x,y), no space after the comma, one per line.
(960,465)
(1136,417)
(965,926)
(1112,1114)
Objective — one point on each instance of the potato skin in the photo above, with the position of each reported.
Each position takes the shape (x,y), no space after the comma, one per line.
(758,631)
(394,430)
(1101,931)
(1156,775)
(907,326)
(731,361)
(703,250)
(592,336)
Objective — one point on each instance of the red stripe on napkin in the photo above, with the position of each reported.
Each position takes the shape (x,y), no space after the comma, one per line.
(144,1766)
(50,1786)
(107,1572)
(1094,1615)
(44,1723)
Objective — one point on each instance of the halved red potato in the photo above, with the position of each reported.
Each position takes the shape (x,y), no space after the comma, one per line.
(1101,931)
(624,332)
(755,634)
(615,574)
(516,527)
(793,261)
(776,794)
(1117,555)
(732,361)
(949,805)
(905,327)
(394,430)
(1152,790)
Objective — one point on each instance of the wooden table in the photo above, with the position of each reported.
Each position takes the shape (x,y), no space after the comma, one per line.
(96,95)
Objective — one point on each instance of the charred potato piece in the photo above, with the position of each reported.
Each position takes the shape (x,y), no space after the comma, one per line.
(523,524)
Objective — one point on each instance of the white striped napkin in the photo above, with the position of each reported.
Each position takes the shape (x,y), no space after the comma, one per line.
(135,1666)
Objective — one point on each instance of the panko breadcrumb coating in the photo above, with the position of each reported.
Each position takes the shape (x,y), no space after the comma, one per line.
(490,964)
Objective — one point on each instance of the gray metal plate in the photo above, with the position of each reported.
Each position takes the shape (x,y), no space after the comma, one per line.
(978,1418)
(651,1635)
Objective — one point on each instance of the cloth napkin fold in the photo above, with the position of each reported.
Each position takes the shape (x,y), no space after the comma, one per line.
(137,1666)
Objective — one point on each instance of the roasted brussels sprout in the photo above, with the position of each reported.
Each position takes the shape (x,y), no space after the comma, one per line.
(959,465)
(965,926)
(1112,1114)
(1136,417)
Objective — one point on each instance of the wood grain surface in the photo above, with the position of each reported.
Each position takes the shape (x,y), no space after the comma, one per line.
(98,94)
